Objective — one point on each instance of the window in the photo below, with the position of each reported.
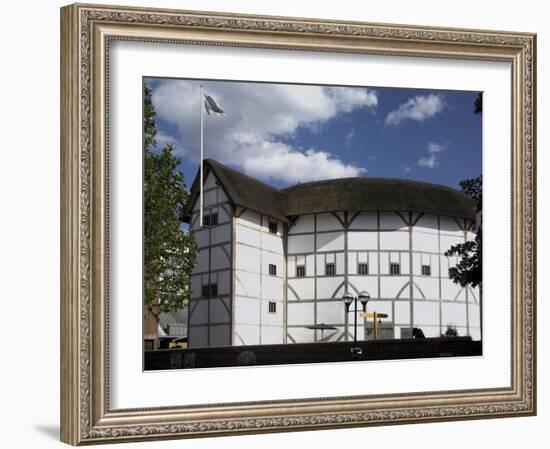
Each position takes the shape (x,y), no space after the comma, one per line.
(209,290)
(426,270)
(272,269)
(273,227)
(362,268)
(330,269)
(272,307)
(301,271)
(211,219)
(394,268)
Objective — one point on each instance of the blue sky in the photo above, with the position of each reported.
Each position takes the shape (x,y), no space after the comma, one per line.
(284,134)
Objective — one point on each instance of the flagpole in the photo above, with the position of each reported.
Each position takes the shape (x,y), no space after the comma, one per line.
(202,157)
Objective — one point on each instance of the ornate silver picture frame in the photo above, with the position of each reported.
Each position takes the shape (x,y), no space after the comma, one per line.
(87,413)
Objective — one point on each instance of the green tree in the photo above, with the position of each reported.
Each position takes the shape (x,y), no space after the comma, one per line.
(170,252)
(468,271)
(451,331)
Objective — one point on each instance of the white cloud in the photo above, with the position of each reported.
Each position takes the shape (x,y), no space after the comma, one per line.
(418,108)
(165,139)
(349,137)
(435,147)
(259,120)
(433,160)
(429,162)
(280,161)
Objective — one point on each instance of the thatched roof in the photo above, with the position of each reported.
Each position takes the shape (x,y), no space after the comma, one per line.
(242,190)
(351,194)
(377,194)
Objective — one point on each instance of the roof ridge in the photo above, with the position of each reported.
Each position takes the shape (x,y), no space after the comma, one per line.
(369,178)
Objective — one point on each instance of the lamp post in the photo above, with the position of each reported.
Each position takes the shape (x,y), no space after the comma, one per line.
(348,298)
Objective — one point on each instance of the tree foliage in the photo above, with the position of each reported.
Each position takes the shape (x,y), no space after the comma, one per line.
(468,271)
(451,331)
(169,251)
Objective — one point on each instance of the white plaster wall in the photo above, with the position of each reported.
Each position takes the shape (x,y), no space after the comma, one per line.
(363,240)
(380,307)
(272,288)
(450,226)
(300,313)
(299,244)
(394,240)
(198,335)
(328,222)
(402,313)
(272,243)
(454,314)
(303,287)
(426,313)
(247,235)
(330,241)
(220,257)
(330,312)
(326,286)
(391,285)
(304,223)
(424,241)
(245,334)
(246,258)
(247,284)
(209,181)
(365,283)
(365,220)
(256,249)
(429,285)
(392,221)
(247,310)
(220,335)
(199,310)
(213,267)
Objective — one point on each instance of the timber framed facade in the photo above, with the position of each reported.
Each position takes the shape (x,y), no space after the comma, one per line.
(272,263)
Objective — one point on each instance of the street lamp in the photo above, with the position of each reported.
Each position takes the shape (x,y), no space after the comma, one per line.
(348,298)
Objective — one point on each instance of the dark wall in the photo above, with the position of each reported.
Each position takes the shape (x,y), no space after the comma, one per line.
(310,353)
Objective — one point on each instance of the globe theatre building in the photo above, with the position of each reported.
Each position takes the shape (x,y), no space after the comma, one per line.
(274,263)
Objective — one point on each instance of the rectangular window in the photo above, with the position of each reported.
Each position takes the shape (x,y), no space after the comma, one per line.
(272,307)
(330,269)
(273,227)
(426,270)
(395,268)
(272,269)
(209,290)
(301,271)
(213,290)
(210,219)
(362,268)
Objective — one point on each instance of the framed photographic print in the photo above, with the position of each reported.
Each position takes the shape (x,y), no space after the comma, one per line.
(275,224)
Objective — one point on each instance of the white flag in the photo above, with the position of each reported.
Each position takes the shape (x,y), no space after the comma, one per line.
(211,106)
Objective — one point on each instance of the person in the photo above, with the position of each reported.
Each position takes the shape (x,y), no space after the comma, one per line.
(417,333)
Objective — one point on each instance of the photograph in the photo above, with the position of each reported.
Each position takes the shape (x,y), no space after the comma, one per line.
(298,223)
(286,213)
